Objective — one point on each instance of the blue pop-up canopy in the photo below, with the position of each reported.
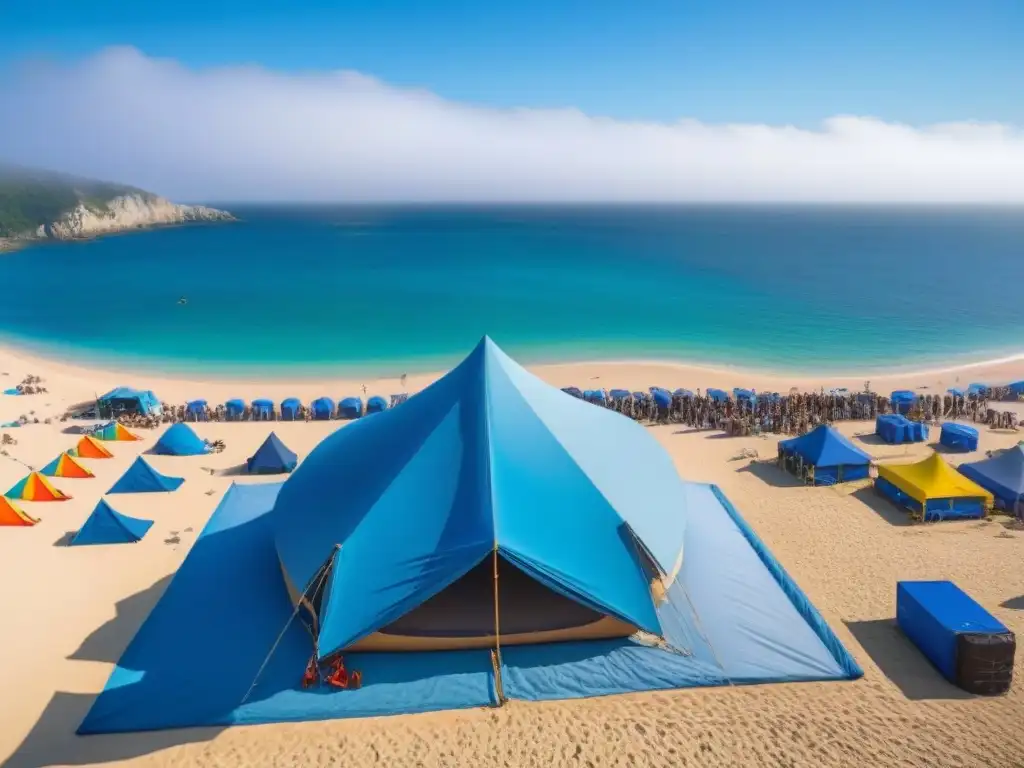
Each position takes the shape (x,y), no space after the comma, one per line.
(718,395)
(273,457)
(831,454)
(290,408)
(323,408)
(108,526)
(180,440)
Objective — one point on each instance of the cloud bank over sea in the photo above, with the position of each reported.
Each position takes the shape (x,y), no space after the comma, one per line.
(249,134)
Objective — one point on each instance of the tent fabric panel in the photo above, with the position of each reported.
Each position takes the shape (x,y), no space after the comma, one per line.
(163,679)
(649,498)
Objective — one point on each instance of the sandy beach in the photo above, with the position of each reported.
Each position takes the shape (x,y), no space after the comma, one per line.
(68,613)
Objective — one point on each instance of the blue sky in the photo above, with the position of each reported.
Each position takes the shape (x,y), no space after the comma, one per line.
(773,61)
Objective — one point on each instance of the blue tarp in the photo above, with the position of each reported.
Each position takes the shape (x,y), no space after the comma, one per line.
(958,436)
(107,526)
(718,395)
(140,477)
(273,457)
(180,440)
(235,408)
(376,404)
(894,428)
(833,456)
(290,408)
(350,408)
(141,400)
(322,408)
(933,613)
(1002,475)
(749,623)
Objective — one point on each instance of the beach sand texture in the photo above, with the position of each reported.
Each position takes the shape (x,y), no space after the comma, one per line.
(69,613)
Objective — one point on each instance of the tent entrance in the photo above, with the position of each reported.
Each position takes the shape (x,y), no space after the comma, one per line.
(462,616)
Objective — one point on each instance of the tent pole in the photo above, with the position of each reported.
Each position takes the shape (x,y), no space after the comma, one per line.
(496,654)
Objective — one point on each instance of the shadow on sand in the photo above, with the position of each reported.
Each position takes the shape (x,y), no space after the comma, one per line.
(884,508)
(1014,603)
(65,539)
(770,473)
(52,741)
(901,661)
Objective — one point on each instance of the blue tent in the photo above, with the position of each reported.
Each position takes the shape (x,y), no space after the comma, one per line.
(895,428)
(350,408)
(903,400)
(424,501)
(127,399)
(262,408)
(718,395)
(978,388)
(376,404)
(180,440)
(140,477)
(272,458)
(959,437)
(196,409)
(834,458)
(744,394)
(235,408)
(641,396)
(619,394)
(955,391)
(595,396)
(662,398)
(683,393)
(1017,388)
(574,391)
(1002,476)
(322,408)
(107,526)
(290,408)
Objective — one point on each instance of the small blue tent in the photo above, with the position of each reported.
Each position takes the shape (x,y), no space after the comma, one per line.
(662,398)
(322,408)
(833,457)
(290,408)
(894,428)
(140,477)
(744,395)
(718,395)
(641,397)
(683,393)
(903,400)
(595,396)
(574,391)
(376,404)
(959,437)
(272,458)
(955,392)
(180,440)
(350,408)
(196,410)
(107,526)
(619,394)
(263,409)
(235,409)
(1002,476)
(977,388)
(127,400)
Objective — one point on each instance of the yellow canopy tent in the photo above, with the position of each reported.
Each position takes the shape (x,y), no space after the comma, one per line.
(933,490)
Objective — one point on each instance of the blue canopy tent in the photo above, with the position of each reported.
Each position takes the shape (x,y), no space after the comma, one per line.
(271,458)
(234,409)
(195,410)
(682,393)
(425,501)
(322,409)
(955,392)
(140,477)
(652,390)
(595,396)
(127,400)
(290,408)
(744,395)
(263,409)
(180,440)
(641,396)
(894,428)
(350,408)
(662,398)
(107,526)
(829,456)
(903,400)
(718,395)
(619,394)
(959,437)
(1002,475)
(376,404)
(977,388)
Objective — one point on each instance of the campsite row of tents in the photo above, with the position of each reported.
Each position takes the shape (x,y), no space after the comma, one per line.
(931,489)
(323,408)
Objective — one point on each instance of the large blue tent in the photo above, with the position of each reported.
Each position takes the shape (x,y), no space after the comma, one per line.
(180,440)
(272,458)
(140,477)
(107,526)
(127,400)
(400,518)
(1002,475)
(834,458)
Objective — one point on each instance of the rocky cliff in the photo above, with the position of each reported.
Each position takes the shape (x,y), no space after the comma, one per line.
(126,212)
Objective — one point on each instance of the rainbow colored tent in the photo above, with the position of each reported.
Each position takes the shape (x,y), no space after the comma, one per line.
(107,526)
(115,432)
(12,516)
(140,477)
(91,448)
(35,487)
(65,465)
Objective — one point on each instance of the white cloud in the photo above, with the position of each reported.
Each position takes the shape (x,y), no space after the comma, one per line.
(245,133)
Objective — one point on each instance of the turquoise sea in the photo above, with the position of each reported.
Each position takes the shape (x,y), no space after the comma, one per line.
(391,289)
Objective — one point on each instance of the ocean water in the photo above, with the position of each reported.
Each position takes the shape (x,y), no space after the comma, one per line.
(391,289)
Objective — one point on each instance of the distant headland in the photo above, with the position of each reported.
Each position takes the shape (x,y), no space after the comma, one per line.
(38,205)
